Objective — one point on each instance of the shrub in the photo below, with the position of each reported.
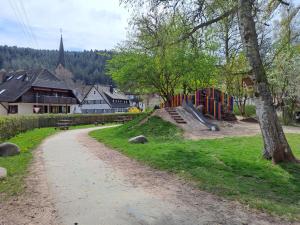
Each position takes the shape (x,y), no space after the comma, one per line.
(10,126)
(250,110)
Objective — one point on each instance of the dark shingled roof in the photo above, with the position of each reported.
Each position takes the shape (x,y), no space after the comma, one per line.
(17,83)
(114,95)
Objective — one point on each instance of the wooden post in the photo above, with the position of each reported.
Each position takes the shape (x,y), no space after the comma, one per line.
(220,111)
(229,103)
(199,93)
(207,104)
(215,111)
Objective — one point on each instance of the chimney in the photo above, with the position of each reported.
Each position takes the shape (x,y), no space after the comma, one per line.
(111,89)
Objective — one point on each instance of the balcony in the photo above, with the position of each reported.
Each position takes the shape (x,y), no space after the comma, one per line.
(44,99)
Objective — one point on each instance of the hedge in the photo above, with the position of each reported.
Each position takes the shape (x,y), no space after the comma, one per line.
(10,126)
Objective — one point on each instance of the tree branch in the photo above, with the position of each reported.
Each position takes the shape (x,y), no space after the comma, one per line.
(284,2)
(205,24)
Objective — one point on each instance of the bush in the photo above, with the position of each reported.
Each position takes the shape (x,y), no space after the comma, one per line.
(250,110)
(10,126)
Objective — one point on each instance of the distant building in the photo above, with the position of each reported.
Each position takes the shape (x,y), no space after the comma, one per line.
(135,100)
(93,99)
(104,99)
(35,91)
(61,71)
(152,100)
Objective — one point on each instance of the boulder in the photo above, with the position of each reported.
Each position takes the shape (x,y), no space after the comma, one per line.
(9,149)
(3,173)
(141,139)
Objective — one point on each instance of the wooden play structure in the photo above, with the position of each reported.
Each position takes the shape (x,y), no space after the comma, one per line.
(212,101)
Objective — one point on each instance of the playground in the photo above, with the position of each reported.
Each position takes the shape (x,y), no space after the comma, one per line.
(208,114)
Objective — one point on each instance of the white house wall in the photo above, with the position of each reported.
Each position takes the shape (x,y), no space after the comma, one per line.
(92,96)
(27,108)
(24,108)
(3,108)
(75,109)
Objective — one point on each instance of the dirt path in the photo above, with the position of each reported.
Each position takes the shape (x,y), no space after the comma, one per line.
(35,206)
(90,184)
(194,130)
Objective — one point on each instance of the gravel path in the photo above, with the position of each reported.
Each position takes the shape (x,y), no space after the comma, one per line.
(94,185)
(77,180)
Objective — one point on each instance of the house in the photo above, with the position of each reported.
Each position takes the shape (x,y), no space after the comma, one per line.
(104,99)
(135,100)
(93,99)
(35,91)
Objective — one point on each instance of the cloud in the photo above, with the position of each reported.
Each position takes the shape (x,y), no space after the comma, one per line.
(86,24)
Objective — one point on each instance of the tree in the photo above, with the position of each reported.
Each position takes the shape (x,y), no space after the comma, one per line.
(236,73)
(284,75)
(203,14)
(87,66)
(276,146)
(149,63)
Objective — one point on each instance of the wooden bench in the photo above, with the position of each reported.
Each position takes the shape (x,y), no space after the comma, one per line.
(122,119)
(99,122)
(63,124)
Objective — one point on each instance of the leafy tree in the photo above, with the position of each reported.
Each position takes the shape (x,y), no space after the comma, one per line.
(152,62)
(237,71)
(284,75)
(204,13)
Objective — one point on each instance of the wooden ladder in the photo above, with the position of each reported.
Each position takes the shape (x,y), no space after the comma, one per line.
(175,116)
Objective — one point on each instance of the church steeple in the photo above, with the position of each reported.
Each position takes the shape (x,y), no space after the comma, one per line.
(61,53)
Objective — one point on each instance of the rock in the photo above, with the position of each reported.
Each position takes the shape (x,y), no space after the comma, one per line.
(141,139)
(9,149)
(3,173)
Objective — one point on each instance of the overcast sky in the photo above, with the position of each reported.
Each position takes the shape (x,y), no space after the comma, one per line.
(85,24)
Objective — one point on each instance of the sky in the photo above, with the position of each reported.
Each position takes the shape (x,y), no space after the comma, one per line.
(85,24)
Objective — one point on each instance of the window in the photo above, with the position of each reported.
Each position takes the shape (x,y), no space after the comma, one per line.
(40,109)
(12,109)
(2,91)
(19,77)
(54,109)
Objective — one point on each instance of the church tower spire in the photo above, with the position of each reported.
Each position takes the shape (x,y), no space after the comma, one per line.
(61,53)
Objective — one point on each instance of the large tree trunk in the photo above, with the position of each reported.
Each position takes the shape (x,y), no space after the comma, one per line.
(276,146)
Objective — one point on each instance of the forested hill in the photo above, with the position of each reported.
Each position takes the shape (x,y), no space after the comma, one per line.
(88,66)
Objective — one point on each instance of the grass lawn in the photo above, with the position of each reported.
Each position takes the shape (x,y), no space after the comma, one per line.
(17,165)
(229,167)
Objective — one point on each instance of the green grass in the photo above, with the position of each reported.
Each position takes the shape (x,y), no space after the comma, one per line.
(249,110)
(229,167)
(17,165)
(89,126)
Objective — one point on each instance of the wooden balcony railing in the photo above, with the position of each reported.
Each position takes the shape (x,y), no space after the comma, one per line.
(44,99)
